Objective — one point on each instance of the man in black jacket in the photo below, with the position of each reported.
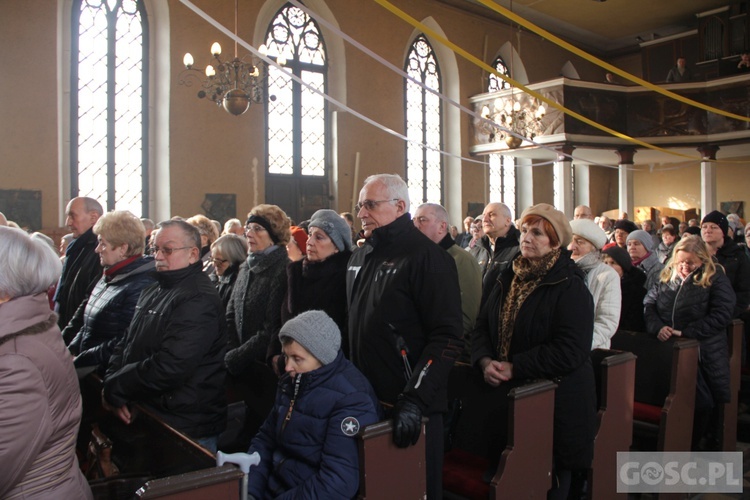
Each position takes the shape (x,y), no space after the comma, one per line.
(405,317)
(81,268)
(171,359)
(501,242)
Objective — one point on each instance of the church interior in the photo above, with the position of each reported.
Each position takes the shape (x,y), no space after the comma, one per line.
(86,113)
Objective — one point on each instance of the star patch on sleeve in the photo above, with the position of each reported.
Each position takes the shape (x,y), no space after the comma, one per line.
(350,426)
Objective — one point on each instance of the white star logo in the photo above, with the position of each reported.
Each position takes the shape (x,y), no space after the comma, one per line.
(350,426)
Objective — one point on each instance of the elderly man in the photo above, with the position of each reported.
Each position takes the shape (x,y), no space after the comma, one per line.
(404,317)
(500,240)
(464,238)
(432,220)
(582,212)
(81,268)
(171,359)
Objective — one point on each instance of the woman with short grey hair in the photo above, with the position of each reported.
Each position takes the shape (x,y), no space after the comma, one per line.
(227,254)
(40,403)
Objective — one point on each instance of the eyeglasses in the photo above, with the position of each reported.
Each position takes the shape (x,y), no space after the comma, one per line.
(254,229)
(218,261)
(167,251)
(371,204)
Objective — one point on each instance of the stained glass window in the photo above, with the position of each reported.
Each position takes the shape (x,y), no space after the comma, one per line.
(496,83)
(424,163)
(297,129)
(109,92)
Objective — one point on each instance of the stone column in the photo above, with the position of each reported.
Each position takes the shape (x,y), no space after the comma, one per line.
(625,191)
(709,200)
(564,181)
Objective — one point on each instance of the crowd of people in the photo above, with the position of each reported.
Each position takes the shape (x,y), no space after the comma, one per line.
(317,330)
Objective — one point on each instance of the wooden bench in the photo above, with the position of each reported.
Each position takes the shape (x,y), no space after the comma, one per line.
(387,471)
(665,379)
(728,439)
(615,382)
(525,466)
(216,483)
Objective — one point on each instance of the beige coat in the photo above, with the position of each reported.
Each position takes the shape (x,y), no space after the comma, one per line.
(40,406)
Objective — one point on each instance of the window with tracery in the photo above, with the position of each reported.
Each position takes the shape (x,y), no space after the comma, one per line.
(496,83)
(109,102)
(297,127)
(424,163)
(503,180)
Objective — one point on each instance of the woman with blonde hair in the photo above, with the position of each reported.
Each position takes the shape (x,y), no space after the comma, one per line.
(101,321)
(694,299)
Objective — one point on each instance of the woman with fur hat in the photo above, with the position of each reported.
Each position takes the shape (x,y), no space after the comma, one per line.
(538,322)
(308,443)
(318,280)
(601,280)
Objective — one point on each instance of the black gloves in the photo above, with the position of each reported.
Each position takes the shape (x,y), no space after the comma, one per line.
(407,423)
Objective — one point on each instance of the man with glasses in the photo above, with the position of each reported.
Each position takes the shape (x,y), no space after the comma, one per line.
(405,317)
(171,359)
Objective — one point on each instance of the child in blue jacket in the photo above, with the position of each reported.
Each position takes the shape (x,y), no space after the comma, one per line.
(308,443)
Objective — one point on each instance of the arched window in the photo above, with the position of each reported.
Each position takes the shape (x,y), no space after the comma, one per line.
(424,164)
(109,92)
(496,83)
(502,167)
(297,141)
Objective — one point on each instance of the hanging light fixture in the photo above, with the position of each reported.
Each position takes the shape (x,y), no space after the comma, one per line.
(523,121)
(232,84)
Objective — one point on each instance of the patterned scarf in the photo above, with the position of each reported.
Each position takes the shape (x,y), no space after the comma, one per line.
(528,275)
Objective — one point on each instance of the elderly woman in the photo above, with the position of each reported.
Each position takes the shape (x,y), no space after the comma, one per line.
(640,249)
(668,241)
(601,280)
(40,404)
(318,281)
(227,254)
(234,226)
(538,322)
(632,288)
(209,234)
(100,322)
(694,299)
(254,310)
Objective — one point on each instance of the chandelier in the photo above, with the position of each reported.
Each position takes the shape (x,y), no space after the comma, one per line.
(234,84)
(515,121)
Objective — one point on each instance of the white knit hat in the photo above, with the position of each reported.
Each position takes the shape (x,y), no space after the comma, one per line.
(590,231)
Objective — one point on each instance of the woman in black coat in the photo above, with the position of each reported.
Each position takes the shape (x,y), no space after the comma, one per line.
(694,299)
(318,280)
(227,254)
(538,322)
(632,288)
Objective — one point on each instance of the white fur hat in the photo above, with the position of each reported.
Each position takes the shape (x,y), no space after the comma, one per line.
(589,230)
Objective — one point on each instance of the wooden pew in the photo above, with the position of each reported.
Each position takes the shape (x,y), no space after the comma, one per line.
(216,483)
(525,466)
(615,382)
(387,471)
(665,379)
(728,440)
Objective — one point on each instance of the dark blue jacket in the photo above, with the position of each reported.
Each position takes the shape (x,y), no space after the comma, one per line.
(102,319)
(702,314)
(308,444)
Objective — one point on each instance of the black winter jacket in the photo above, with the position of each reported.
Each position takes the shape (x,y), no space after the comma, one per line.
(254,309)
(506,249)
(171,359)
(102,319)
(403,295)
(737,268)
(633,290)
(702,314)
(551,339)
(81,272)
